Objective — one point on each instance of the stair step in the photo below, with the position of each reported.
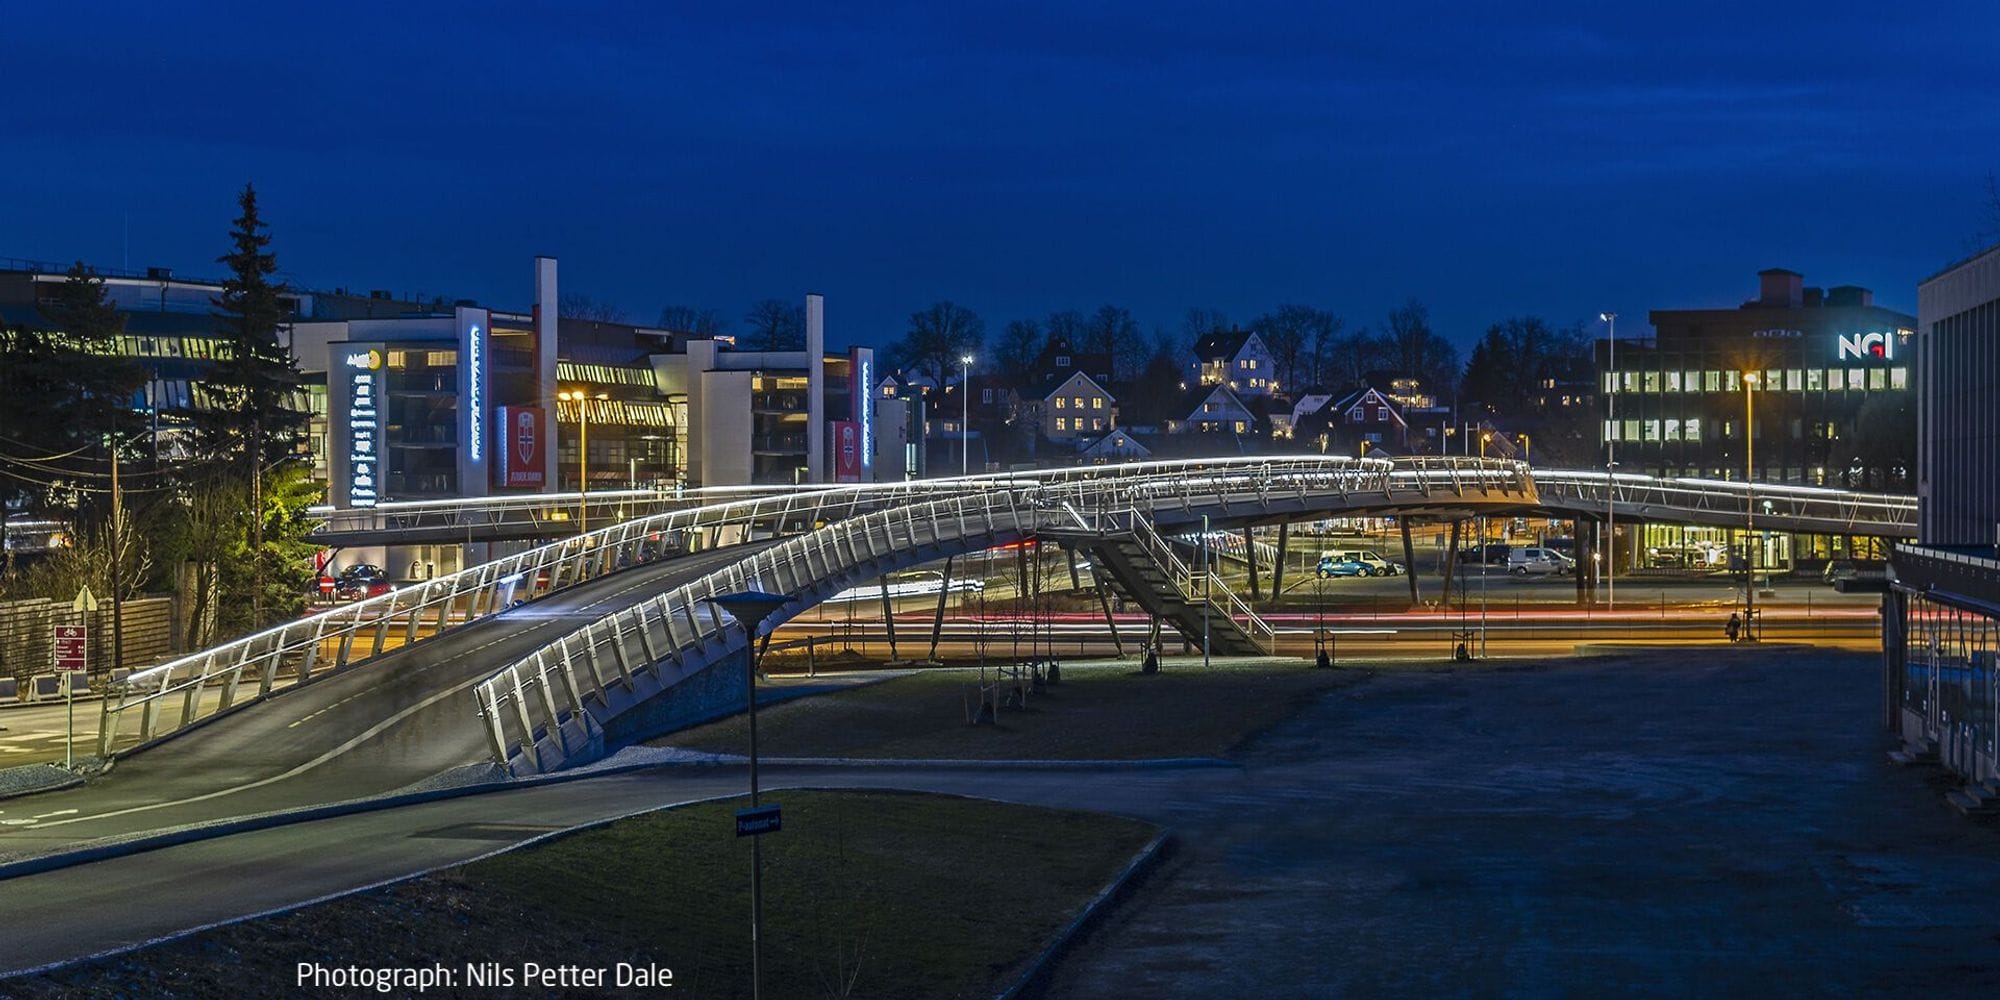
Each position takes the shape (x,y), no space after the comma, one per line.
(1970,805)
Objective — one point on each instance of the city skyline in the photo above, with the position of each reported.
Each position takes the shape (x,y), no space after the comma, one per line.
(1158,164)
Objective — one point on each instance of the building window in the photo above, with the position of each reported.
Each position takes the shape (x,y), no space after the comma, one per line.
(1651,382)
(1610,382)
(1079,402)
(1815,380)
(1673,381)
(1239,427)
(1693,430)
(1899,378)
(1631,380)
(986,395)
(1062,402)
(1062,423)
(1836,379)
(1096,423)
(1610,430)
(1733,380)
(1673,430)
(1712,381)
(1878,379)
(1652,430)
(1693,381)
(1097,402)
(1794,380)
(1062,361)
(1630,431)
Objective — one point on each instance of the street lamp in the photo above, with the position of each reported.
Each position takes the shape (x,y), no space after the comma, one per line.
(1750,380)
(1484,437)
(750,608)
(582,400)
(965,416)
(1610,460)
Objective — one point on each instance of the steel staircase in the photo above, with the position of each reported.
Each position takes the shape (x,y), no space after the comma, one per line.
(1123,546)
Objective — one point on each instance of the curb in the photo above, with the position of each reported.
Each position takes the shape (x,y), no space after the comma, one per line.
(53,778)
(955,764)
(1036,975)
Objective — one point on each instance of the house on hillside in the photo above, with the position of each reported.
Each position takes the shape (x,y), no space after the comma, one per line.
(1113,448)
(1077,407)
(1237,360)
(1215,409)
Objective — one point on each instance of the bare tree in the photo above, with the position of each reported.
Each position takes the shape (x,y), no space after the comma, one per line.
(937,338)
(1200,321)
(1112,330)
(577,305)
(1413,347)
(775,325)
(1019,344)
(691,319)
(1299,337)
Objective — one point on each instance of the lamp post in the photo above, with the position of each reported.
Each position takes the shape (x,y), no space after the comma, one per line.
(750,608)
(1484,437)
(965,414)
(1610,460)
(582,400)
(1749,502)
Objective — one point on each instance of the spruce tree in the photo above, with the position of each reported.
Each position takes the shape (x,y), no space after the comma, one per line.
(251,413)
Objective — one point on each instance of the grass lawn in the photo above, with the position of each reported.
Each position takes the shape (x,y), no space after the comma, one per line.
(1105,711)
(911,895)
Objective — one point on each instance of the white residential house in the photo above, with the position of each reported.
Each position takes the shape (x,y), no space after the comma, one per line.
(1077,408)
(1113,448)
(1216,411)
(1238,360)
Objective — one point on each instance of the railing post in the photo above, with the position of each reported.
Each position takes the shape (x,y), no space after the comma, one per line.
(529,749)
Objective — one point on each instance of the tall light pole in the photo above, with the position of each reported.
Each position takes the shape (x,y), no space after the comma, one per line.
(750,608)
(965,415)
(582,400)
(1749,501)
(1610,460)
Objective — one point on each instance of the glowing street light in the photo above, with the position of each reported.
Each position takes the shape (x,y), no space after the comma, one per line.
(582,401)
(965,417)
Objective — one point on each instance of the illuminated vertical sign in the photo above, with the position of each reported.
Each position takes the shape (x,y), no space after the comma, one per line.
(475,392)
(363,369)
(862,392)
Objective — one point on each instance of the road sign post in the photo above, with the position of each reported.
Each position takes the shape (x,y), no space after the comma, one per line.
(70,646)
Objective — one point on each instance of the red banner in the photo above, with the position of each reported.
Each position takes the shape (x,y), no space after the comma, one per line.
(846,451)
(522,458)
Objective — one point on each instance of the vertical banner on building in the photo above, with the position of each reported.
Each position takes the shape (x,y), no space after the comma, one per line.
(519,455)
(358,442)
(861,372)
(474,400)
(848,447)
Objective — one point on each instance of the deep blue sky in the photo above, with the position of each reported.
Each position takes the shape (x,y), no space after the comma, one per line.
(1156,155)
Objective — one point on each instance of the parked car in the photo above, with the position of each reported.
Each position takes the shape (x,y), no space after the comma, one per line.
(1838,570)
(361,581)
(1495,554)
(1356,562)
(1539,561)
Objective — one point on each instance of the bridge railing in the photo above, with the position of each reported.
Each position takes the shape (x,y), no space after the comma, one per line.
(544,698)
(1786,506)
(172,695)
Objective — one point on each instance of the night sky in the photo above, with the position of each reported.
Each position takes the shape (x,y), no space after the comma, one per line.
(1156,155)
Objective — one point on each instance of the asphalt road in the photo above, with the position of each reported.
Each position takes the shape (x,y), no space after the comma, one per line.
(398,719)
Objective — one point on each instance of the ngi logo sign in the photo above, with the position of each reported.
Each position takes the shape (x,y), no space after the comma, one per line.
(1868,346)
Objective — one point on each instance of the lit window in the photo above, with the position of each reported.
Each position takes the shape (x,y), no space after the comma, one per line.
(1794,380)
(1062,423)
(1239,427)
(1652,430)
(1733,379)
(1079,402)
(1693,381)
(1631,380)
(1815,380)
(1878,379)
(1096,424)
(1711,381)
(1630,432)
(1097,402)
(1062,402)
(1651,382)
(1673,381)
(1693,429)
(1610,382)
(1673,430)
(1899,378)
(1836,379)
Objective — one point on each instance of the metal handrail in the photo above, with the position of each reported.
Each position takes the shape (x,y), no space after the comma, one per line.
(1779,505)
(543,696)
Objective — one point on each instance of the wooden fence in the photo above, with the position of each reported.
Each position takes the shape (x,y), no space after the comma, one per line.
(25,635)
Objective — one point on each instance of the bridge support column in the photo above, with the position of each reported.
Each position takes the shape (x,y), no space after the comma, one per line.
(1586,569)
(1278,571)
(937,620)
(1409,560)
(1250,553)
(1451,560)
(889,619)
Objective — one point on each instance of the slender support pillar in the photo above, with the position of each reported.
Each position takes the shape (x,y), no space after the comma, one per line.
(937,620)
(1451,560)
(1409,561)
(1284,550)
(1250,553)
(1580,547)
(889,619)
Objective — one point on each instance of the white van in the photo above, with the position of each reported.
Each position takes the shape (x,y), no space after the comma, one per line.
(1376,565)
(1537,561)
